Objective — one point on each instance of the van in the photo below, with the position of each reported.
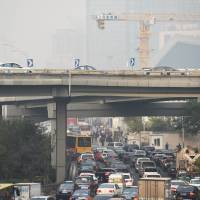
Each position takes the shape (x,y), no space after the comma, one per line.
(115,145)
(117,178)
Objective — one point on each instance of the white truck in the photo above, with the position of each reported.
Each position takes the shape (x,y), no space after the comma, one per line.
(28,190)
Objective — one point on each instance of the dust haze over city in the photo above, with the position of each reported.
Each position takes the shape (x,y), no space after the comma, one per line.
(99,99)
(54,33)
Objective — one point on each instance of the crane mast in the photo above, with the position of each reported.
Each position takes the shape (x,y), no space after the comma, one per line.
(145,21)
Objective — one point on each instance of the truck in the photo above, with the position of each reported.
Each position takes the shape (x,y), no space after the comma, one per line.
(28,190)
(154,188)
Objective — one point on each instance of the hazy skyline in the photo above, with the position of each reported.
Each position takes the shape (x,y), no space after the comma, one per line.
(53,32)
(27,27)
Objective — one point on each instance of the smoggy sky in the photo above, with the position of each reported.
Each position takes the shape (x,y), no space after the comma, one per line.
(27,27)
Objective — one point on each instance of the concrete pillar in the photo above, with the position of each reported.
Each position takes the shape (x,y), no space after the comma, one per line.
(60,140)
(53,143)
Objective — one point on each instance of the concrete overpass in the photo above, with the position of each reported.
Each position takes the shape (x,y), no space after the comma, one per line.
(120,93)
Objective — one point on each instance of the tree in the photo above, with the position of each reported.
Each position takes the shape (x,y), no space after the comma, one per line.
(24,151)
(160,124)
(134,123)
(191,119)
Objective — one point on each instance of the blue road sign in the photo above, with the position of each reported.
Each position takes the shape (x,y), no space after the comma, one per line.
(132,62)
(76,62)
(29,62)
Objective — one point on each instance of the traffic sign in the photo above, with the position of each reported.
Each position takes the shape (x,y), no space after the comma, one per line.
(29,62)
(132,62)
(76,62)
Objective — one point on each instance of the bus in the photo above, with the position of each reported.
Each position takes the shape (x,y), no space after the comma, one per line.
(79,143)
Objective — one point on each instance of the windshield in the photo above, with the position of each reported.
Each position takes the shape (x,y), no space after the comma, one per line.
(148,164)
(127,176)
(118,144)
(84,142)
(150,170)
(66,186)
(106,185)
(83,180)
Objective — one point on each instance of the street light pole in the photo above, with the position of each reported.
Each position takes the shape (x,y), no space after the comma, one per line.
(183,133)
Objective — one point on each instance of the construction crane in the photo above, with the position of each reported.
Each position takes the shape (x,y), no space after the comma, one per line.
(145,21)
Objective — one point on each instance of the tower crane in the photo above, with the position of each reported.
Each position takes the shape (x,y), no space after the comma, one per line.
(145,21)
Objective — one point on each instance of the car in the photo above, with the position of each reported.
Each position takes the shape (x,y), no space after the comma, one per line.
(86,168)
(120,167)
(43,197)
(147,170)
(85,156)
(128,179)
(89,174)
(103,173)
(195,182)
(151,175)
(139,160)
(109,188)
(130,192)
(65,190)
(85,67)
(117,178)
(175,184)
(9,65)
(148,149)
(115,145)
(187,192)
(83,194)
(84,182)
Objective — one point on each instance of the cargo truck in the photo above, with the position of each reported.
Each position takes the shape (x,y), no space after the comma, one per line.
(154,188)
(28,190)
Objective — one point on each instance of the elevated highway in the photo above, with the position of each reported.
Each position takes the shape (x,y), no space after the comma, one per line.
(75,84)
(111,93)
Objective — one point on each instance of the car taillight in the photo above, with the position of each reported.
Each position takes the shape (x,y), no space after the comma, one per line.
(173,189)
(107,173)
(110,190)
(192,194)
(98,190)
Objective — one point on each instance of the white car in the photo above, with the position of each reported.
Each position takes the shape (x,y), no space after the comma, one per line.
(195,182)
(128,179)
(85,156)
(89,174)
(109,188)
(151,175)
(139,160)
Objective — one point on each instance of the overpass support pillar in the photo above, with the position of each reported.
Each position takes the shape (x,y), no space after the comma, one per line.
(60,139)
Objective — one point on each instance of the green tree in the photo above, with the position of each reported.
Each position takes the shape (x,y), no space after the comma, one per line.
(24,151)
(191,119)
(160,124)
(134,123)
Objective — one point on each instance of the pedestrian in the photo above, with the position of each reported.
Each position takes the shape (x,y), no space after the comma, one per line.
(102,140)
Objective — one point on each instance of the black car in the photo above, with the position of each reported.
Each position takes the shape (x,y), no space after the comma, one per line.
(86,182)
(103,174)
(187,192)
(65,190)
(82,194)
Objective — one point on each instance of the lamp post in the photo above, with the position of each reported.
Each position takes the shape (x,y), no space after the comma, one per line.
(183,132)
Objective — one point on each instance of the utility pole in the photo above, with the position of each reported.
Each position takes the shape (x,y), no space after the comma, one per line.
(183,133)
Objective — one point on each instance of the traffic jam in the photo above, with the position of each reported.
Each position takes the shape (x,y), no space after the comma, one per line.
(125,171)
